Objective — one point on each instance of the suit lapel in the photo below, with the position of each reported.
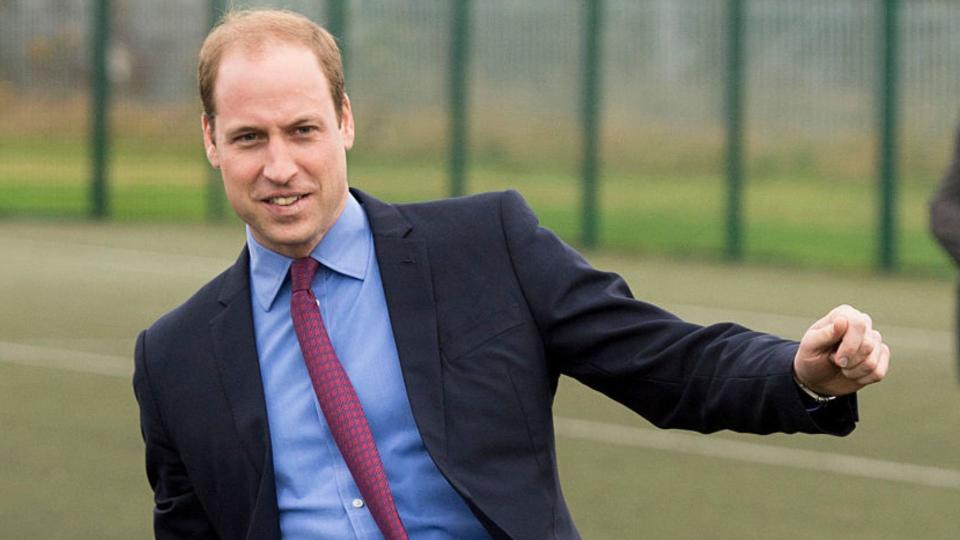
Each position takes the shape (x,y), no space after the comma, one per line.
(235,355)
(408,288)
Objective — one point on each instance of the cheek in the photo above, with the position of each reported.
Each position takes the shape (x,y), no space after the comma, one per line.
(323,161)
(238,173)
(234,191)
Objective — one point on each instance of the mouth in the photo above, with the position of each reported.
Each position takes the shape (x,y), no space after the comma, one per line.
(284,200)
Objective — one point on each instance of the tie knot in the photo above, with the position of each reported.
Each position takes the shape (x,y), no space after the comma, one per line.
(302,272)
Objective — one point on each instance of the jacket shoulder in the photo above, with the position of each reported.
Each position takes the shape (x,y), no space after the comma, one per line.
(195,313)
(469,218)
(490,201)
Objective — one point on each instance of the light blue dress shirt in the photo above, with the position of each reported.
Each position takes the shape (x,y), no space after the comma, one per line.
(316,494)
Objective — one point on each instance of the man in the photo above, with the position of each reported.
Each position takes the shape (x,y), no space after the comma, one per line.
(945,221)
(440,328)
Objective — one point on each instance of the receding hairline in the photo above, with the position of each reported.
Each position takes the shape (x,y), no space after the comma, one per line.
(253,32)
(260,49)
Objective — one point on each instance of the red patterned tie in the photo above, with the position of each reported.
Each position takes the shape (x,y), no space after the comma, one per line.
(339,402)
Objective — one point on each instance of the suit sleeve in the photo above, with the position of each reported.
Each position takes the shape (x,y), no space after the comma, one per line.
(673,373)
(945,207)
(177,512)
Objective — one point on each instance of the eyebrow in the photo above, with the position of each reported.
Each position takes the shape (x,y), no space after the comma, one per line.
(233,132)
(306,119)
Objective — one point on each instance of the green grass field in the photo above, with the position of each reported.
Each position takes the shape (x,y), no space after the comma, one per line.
(809,220)
(76,293)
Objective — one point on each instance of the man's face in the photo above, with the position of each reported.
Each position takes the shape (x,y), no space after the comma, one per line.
(278,145)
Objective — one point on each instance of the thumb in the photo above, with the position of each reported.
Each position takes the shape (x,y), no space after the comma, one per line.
(829,334)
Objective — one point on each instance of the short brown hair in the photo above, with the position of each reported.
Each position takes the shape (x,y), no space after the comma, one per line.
(250,29)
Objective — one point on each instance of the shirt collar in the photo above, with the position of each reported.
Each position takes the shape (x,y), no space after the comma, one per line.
(345,249)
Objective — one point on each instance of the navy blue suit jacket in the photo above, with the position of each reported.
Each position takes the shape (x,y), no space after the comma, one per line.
(488,310)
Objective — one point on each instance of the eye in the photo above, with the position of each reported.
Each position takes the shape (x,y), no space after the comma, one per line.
(305,129)
(246,138)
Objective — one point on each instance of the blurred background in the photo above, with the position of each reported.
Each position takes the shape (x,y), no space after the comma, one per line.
(753,129)
(668,138)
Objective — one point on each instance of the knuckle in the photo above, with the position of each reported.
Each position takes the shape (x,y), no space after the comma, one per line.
(862,324)
(881,372)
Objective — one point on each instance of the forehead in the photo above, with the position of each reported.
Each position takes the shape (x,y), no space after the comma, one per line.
(271,76)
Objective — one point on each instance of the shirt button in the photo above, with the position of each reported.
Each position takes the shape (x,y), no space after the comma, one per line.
(357,503)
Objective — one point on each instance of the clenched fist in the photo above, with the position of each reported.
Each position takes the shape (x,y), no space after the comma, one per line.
(841,353)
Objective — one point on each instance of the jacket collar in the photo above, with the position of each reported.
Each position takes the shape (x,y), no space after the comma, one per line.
(385,219)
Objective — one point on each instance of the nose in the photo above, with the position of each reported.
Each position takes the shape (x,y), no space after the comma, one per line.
(280,167)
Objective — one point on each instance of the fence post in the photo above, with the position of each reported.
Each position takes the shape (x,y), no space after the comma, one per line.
(734,101)
(215,195)
(887,131)
(99,110)
(591,71)
(459,69)
(337,25)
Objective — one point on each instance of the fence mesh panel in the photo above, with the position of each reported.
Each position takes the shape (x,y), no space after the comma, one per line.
(811,109)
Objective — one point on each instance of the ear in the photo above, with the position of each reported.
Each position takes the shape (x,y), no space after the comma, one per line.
(209,144)
(346,123)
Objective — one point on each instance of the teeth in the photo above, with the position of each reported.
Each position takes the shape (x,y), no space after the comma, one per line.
(284,201)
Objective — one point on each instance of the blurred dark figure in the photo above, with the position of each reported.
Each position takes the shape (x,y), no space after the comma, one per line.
(945,221)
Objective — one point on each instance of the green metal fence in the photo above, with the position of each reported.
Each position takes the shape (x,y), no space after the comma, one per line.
(735,128)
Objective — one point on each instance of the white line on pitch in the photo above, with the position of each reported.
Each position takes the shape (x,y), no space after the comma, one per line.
(713,447)
(124,251)
(53,358)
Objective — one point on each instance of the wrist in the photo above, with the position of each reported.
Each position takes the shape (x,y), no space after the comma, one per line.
(819,398)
